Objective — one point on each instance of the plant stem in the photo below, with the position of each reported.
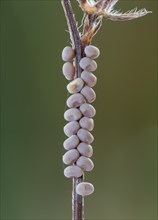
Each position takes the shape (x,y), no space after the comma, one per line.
(74,34)
(77,200)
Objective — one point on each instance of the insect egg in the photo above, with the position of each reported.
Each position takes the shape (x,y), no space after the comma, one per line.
(85,163)
(68,70)
(73,171)
(75,86)
(85,136)
(71,142)
(88,110)
(87,123)
(89,78)
(68,54)
(72,114)
(71,156)
(92,52)
(75,100)
(71,128)
(84,189)
(85,149)
(89,94)
(88,64)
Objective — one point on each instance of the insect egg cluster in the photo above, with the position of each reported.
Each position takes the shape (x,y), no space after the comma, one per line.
(79,116)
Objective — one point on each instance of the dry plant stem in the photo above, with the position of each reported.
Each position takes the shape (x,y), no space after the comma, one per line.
(77,200)
(73,33)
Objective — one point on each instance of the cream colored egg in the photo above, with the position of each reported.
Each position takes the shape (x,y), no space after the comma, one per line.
(68,54)
(85,163)
(84,189)
(89,78)
(85,149)
(68,71)
(71,128)
(85,136)
(89,94)
(71,142)
(87,123)
(92,52)
(71,156)
(75,86)
(75,100)
(72,114)
(73,171)
(88,110)
(88,64)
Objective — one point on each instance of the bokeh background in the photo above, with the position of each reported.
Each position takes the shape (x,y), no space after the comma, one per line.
(33,96)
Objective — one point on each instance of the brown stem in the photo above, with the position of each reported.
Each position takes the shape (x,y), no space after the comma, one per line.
(74,34)
(77,200)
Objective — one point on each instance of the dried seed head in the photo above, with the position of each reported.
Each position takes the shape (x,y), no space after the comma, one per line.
(85,163)
(88,64)
(71,142)
(73,171)
(68,54)
(68,71)
(72,114)
(87,123)
(89,78)
(75,100)
(85,136)
(92,52)
(71,128)
(88,110)
(75,86)
(89,94)
(71,156)
(85,149)
(84,189)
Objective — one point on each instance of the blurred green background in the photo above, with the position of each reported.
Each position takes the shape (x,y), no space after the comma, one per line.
(33,96)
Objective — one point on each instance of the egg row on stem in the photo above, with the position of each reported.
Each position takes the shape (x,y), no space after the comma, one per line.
(79,116)
(87,63)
